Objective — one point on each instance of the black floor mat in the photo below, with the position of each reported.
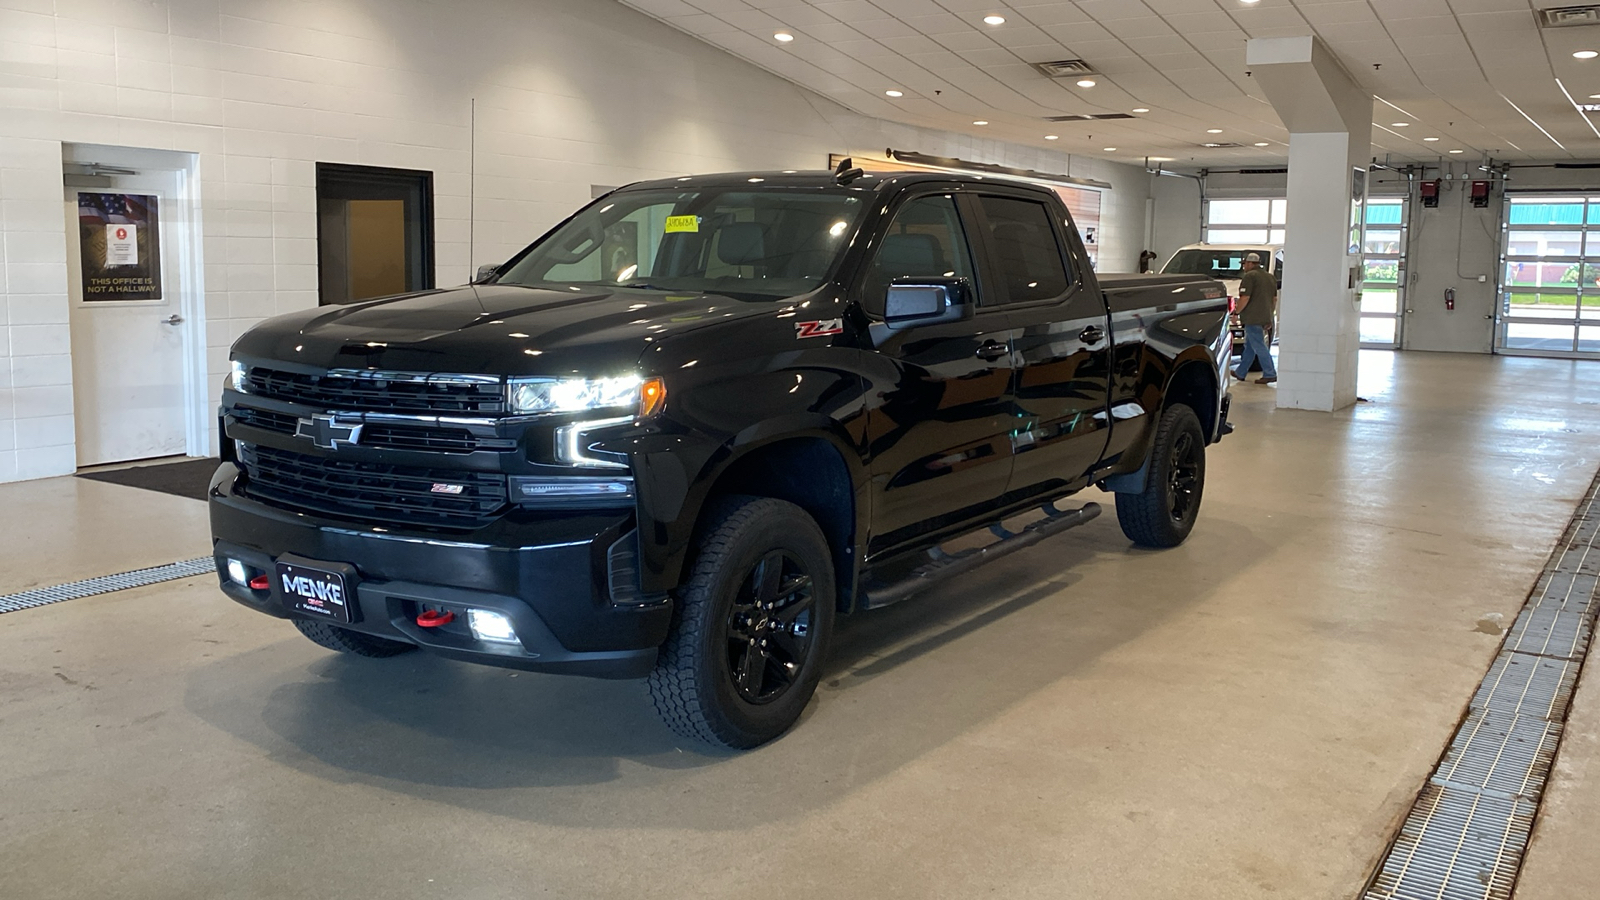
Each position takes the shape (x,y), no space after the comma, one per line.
(189,478)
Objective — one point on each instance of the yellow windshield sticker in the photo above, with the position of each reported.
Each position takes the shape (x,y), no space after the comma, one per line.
(677,224)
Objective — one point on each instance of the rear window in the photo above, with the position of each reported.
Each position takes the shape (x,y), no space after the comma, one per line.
(1026,248)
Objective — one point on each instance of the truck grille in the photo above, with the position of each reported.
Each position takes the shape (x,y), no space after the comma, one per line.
(376,492)
(380,391)
(381,436)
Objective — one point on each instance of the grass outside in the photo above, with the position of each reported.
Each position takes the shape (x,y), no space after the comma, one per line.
(1519,298)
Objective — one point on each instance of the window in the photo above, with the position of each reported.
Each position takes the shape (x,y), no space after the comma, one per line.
(1383,280)
(758,244)
(1214,262)
(374,232)
(925,240)
(1031,267)
(1246,221)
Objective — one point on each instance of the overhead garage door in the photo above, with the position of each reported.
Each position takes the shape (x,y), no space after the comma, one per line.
(1550,281)
(1383,290)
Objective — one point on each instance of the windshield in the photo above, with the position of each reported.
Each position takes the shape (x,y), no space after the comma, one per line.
(767,244)
(1213,262)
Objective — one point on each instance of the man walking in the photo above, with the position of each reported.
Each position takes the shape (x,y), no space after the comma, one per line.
(1258,297)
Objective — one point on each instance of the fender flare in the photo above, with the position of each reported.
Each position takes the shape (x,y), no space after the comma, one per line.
(1135,482)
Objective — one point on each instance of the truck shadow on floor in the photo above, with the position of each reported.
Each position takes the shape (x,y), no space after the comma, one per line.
(577,752)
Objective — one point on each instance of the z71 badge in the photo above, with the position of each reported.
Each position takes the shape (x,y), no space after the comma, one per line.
(818,329)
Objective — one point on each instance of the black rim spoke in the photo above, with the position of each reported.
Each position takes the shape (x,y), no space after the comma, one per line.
(769,628)
(753,669)
(768,576)
(1183,477)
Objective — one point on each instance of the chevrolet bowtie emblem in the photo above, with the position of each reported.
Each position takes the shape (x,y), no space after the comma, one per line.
(327,432)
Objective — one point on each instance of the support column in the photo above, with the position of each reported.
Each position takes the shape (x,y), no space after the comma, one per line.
(1329,118)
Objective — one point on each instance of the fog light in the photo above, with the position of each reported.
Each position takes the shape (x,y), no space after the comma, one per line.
(237,573)
(488,625)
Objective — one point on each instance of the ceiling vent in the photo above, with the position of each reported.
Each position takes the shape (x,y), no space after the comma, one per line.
(1085,117)
(1568,16)
(1065,68)
(1212,146)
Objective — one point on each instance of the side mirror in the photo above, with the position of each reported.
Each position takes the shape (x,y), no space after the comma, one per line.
(486,273)
(927,301)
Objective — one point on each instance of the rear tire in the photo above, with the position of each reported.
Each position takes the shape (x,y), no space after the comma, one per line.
(1164,513)
(346,641)
(750,630)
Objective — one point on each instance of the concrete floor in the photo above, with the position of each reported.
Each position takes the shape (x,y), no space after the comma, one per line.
(1248,715)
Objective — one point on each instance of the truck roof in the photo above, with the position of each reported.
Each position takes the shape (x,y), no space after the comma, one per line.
(823,178)
(1263,245)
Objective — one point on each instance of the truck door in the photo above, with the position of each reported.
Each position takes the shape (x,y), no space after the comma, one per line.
(941,416)
(1061,341)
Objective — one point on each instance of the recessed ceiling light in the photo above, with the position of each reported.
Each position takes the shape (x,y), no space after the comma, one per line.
(1249,2)
(783,37)
(1430,139)
(893,93)
(1400,125)
(980,121)
(994,20)
(1458,151)
(1142,109)
(1594,96)
(1263,144)
(1086,82)
(1213,131)
(1050,137)
(1586,54)
(1111,150)
(1159,158)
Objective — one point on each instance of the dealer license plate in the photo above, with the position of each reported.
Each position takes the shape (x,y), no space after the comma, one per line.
(314,591)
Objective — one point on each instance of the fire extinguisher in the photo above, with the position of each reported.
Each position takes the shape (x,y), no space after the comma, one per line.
(1450,299)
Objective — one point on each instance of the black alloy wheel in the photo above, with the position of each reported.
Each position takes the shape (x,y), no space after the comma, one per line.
(769,628)
(750,628)
(1183,477)
(1164,512)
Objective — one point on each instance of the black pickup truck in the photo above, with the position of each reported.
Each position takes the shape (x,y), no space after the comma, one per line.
(680,433)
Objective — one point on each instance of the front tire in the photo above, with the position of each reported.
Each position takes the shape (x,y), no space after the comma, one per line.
(1164,513)
(353,642)
(750,629)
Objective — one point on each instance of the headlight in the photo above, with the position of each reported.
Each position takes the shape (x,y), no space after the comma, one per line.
(541,396)
(237,378)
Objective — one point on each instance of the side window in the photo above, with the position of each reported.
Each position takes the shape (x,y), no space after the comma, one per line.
(1279,273)
(1025,245)
(924,240)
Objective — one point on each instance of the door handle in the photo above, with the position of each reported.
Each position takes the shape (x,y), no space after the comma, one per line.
(1094,334)
(174,319)
(992,350)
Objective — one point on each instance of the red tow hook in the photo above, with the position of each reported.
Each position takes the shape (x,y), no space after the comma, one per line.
(260,583)
(435,618)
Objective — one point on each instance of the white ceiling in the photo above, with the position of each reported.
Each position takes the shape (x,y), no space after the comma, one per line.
(1458,70)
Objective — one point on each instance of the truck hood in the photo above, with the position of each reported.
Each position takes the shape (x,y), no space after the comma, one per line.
(493,330)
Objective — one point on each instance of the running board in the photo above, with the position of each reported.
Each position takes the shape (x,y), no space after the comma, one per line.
(945,565)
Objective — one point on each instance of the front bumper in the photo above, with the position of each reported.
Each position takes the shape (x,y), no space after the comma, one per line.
(549,574)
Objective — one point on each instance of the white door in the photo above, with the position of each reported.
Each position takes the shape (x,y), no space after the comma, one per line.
(127,345)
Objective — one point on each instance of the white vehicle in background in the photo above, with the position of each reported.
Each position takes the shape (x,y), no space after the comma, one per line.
(1226,262)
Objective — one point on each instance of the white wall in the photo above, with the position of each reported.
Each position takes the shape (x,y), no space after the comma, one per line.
(570,93)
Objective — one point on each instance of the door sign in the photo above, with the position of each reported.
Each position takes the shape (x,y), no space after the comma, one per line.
(121,252)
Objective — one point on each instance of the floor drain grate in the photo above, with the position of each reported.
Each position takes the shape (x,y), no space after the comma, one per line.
(1466,835)
(105,584)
